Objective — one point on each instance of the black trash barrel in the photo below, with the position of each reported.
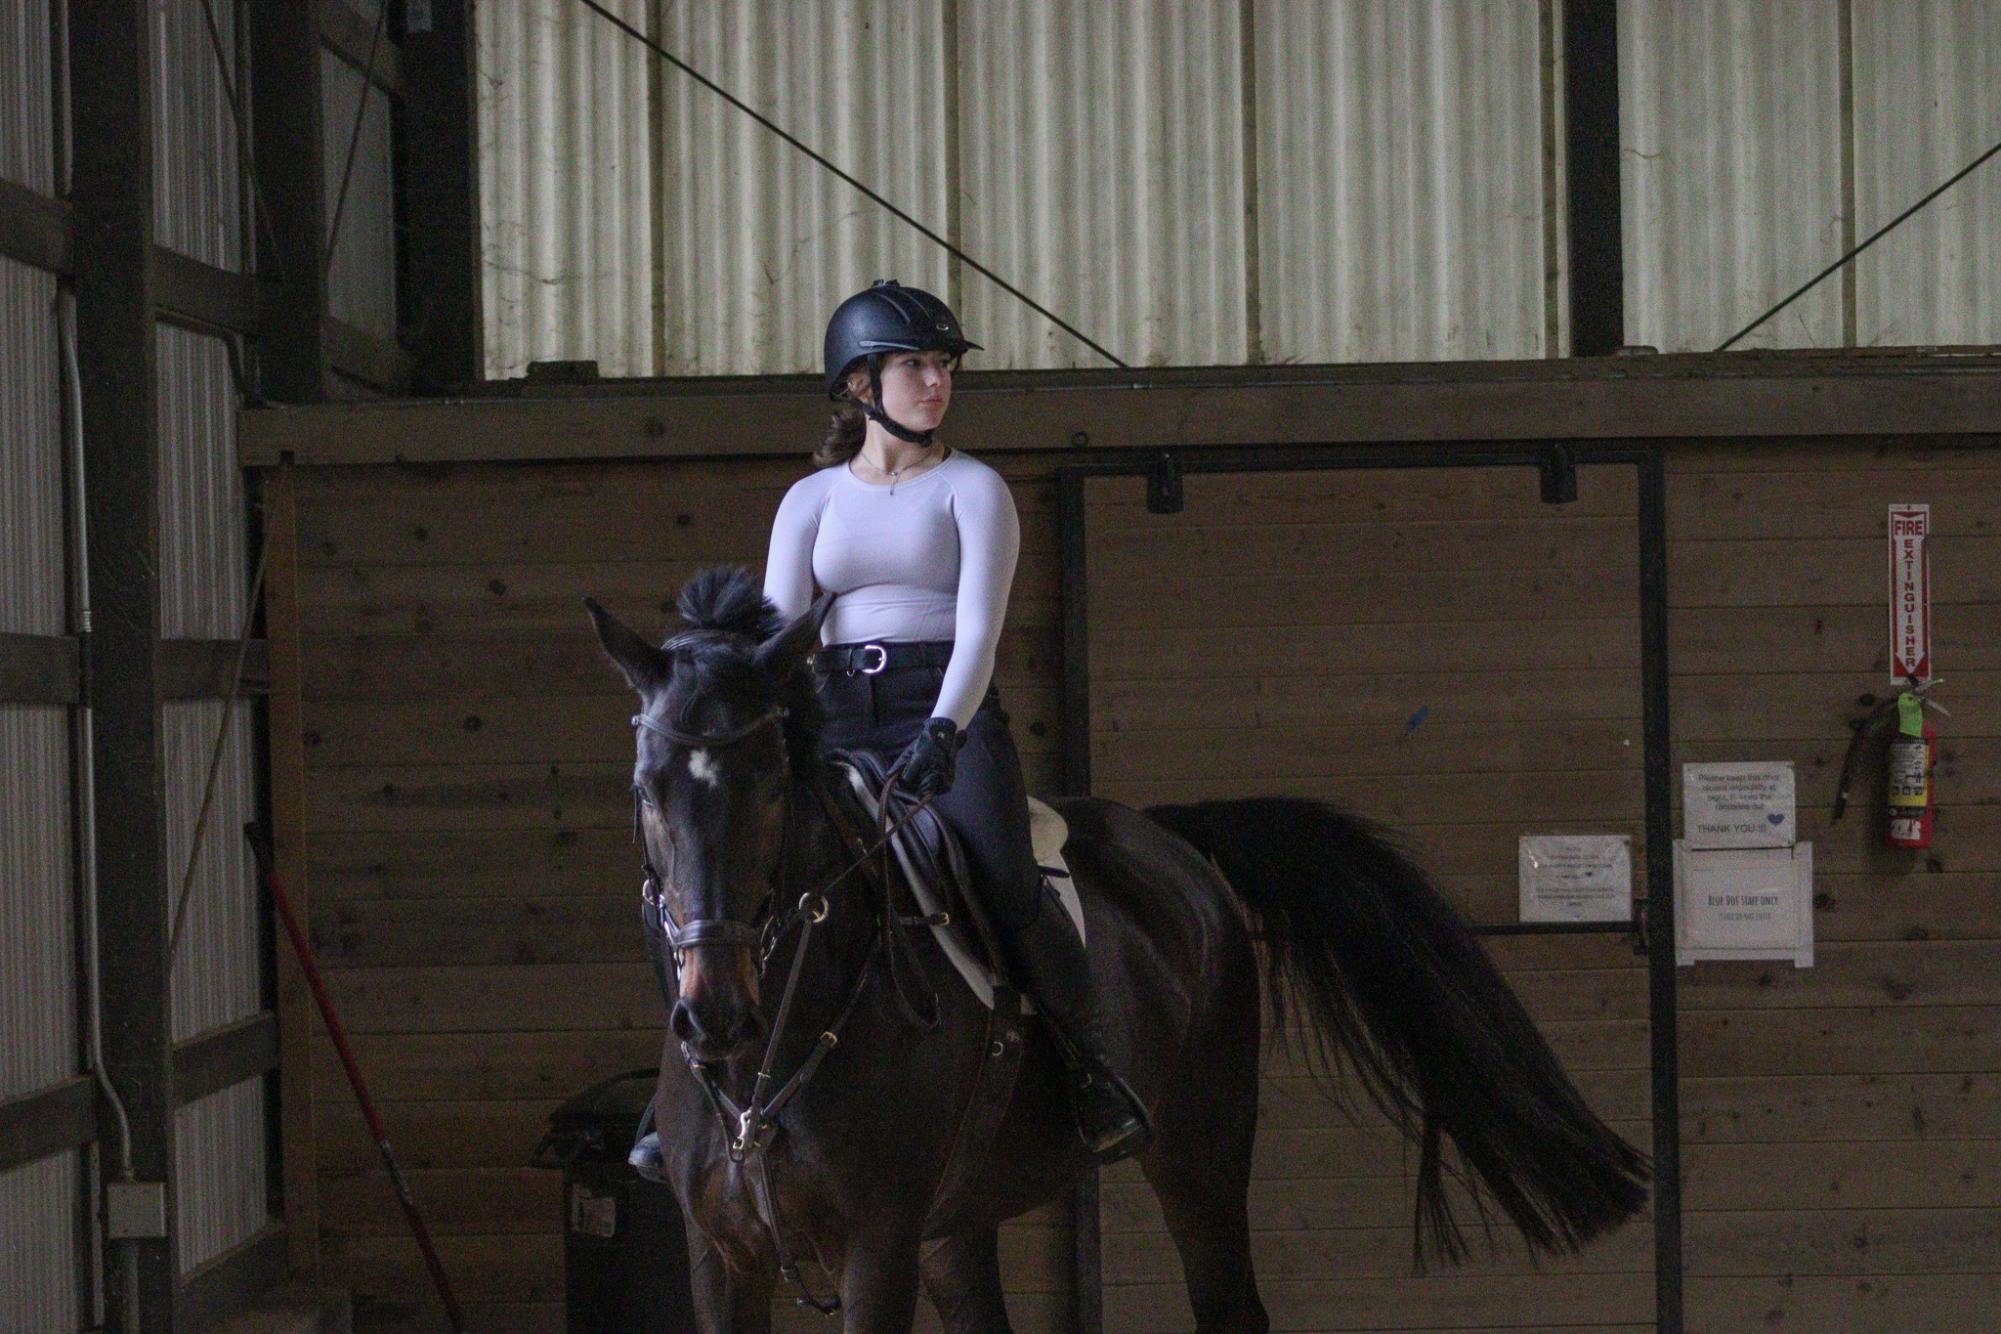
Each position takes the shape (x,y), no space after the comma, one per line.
(625,1250)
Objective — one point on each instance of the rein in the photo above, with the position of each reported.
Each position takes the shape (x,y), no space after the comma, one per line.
(748,1127)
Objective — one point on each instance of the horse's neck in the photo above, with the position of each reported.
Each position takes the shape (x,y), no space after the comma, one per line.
(816,854)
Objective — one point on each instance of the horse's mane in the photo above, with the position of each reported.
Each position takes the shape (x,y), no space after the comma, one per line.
(725,617)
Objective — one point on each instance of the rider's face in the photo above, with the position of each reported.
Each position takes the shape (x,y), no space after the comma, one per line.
(917,388)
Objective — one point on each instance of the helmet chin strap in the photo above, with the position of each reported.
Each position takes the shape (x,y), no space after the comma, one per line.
(875,414)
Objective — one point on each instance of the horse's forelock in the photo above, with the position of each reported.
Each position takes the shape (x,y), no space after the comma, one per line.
(726,598)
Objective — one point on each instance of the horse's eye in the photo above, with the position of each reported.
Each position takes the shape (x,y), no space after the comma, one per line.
(645,797)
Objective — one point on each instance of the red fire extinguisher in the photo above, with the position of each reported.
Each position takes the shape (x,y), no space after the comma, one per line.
(1913,753)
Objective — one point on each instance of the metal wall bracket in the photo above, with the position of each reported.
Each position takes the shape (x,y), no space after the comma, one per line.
(1163,486)
(1559,475)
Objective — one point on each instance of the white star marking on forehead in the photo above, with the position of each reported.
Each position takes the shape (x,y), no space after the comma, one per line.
(704,768)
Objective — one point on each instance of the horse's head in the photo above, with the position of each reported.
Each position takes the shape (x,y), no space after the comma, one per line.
(727,718)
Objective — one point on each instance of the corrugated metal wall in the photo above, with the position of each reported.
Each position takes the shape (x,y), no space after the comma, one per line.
(1397,162)
(361,277)
(1400,189)
(40,1205)
(1927,102)
(27,96)
(565,186)
(198,205)
(32,591)
(1101,152)
(217,976)
(752,232)
(1094,155)
(1731,122)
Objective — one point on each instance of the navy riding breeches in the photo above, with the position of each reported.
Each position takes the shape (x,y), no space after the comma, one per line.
(988,804)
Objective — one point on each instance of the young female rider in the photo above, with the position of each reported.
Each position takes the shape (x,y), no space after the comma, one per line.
(919,543)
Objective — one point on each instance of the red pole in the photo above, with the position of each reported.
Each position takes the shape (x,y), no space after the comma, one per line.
(260,844)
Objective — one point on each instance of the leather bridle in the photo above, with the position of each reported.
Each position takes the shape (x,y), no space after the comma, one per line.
(700,931)
(747,1127)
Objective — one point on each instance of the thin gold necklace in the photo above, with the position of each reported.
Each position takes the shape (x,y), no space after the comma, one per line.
(897,475)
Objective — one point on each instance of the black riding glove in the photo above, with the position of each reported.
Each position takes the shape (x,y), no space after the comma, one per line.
(928,762)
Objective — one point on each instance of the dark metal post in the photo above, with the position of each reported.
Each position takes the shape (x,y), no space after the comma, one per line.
(291,238)
(1591,150)
(110,62)
(1661,1018)
(438,176)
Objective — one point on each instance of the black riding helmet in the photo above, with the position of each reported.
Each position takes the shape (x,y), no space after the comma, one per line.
(888,317)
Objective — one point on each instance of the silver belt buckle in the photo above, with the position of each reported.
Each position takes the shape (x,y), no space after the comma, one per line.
(881,659)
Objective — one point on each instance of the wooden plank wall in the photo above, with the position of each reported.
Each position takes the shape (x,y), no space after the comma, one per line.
(471,882)
(1439,651)
(1840,1123)
(473,887)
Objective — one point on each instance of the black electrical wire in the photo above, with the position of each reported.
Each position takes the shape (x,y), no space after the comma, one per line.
(789,138)
(1874,237)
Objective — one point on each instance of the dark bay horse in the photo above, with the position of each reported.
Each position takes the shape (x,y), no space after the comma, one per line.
(1181,902)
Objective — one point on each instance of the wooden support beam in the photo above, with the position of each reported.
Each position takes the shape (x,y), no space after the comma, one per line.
(203,668)
(232,1281)
(1640,399)
(34,229)
(439,182)
(287,777)
(291,246)
(50,1121)
(38,669)
(204,295)
(224,1057)
(362,356)
(110,59)
(349,34)
(1591,161)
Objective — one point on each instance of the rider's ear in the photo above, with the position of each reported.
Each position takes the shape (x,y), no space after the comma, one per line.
(785,652)
(642,665)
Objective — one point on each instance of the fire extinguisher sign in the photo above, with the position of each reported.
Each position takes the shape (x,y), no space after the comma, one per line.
(1910,594)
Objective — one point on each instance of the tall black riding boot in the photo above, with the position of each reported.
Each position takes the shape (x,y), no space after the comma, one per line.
(1049,962)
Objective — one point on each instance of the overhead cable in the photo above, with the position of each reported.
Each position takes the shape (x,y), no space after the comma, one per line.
(1874,237)
(793,140)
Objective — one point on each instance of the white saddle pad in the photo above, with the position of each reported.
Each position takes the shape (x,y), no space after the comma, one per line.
(1048,831)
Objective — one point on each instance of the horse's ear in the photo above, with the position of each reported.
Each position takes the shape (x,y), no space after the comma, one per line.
(642,665)
(785,652)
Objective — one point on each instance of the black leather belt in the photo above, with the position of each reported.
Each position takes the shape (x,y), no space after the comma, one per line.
(869,659)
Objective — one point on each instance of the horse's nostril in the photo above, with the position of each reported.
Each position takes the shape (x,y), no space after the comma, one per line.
(683,1023)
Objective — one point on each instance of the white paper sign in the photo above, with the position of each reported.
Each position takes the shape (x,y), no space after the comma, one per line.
(1576,878)
(1749,903)
(1739,805)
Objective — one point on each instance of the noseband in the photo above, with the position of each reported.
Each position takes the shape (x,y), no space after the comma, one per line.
(701,930)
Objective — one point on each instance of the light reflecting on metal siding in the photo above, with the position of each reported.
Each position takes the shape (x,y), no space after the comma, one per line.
(1102,155)
(566,186)
(758,243)
(1400,180)
(1927,102)
(1730,124)
(203,578)
(27,96)
(219,1157)
(197,163)
(39,1282)
(217,973)
(32,580)
(361,282)
(38,1033)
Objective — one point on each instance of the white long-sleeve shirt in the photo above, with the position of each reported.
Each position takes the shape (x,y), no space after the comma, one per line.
(927,559)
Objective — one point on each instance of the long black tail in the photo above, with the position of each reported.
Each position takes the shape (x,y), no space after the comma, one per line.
(1391,976)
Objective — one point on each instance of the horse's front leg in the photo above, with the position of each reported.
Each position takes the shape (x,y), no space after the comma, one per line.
(879,1282)
(727,1301)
